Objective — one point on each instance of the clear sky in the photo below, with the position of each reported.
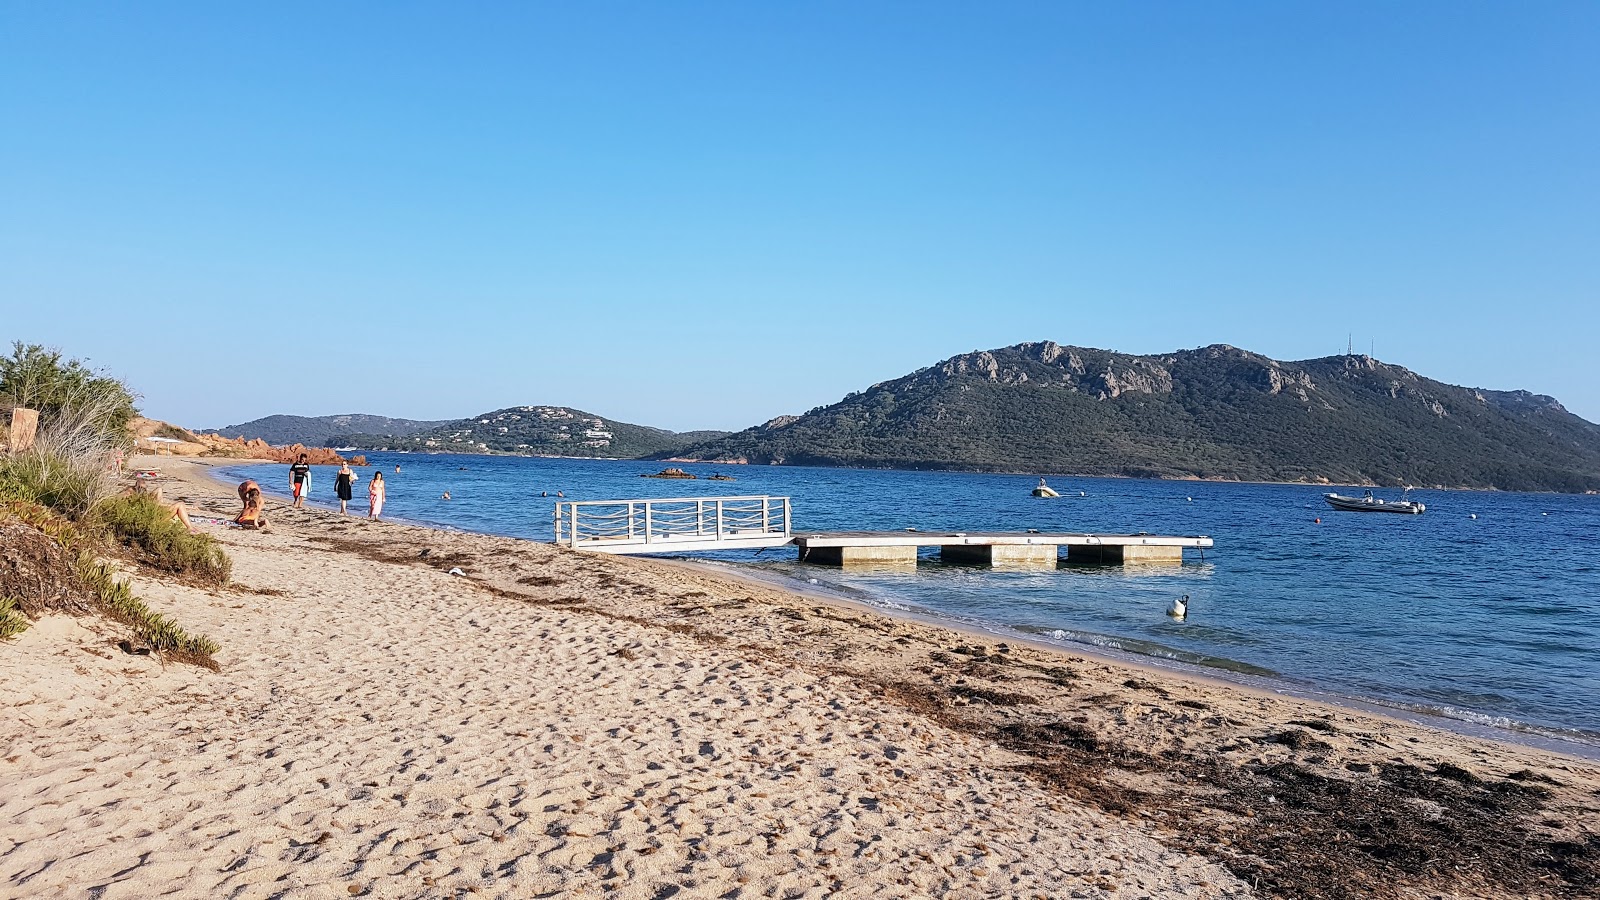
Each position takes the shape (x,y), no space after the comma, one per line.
(703,215)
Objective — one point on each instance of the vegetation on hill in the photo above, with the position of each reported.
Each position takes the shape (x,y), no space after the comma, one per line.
(539,431)
(322,431)
(1216,412)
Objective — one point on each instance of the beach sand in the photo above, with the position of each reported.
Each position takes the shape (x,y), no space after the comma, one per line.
(559,724)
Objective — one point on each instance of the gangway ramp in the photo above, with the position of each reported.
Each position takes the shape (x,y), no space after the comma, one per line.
(674,524)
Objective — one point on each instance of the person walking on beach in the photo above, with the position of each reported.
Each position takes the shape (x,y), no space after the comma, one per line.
(344,486)
(300,480)
(376,494)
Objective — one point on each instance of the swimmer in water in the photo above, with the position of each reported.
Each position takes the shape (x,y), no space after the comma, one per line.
(445,496)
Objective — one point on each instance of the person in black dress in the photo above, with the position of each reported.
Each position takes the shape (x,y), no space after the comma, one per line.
(342,485)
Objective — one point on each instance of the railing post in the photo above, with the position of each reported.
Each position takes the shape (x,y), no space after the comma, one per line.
(719,520)
(631,530)
(699,518)
(647,521)
(786,525)
(572,530)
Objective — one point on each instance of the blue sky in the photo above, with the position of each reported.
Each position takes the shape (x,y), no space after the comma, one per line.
(702,215)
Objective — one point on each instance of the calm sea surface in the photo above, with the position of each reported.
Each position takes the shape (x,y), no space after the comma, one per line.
(1494,619)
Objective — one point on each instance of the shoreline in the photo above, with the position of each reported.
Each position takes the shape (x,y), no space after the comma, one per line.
(563,722)
(1470,723)
(1184,479)
(1268,685)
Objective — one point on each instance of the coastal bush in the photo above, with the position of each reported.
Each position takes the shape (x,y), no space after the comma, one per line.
(12,620)
(163,635)
(40,378)
(140,522)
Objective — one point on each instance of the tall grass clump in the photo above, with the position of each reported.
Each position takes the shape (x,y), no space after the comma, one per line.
(140,522)
(66,482)
(161,633)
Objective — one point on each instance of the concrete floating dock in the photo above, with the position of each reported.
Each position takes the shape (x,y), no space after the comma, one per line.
(999,549)
(697,524)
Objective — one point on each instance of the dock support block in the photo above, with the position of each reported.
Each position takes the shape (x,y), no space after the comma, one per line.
(861,557)
(1113,554)
(1003,556)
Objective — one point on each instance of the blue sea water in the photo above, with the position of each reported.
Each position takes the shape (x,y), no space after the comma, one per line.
(1493,619)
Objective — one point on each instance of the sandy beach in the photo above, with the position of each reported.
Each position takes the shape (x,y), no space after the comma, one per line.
(559,724)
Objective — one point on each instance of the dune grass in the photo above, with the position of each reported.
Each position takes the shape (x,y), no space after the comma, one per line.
(69,484)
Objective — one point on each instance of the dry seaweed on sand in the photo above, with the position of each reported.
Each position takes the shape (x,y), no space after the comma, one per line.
(1290,831)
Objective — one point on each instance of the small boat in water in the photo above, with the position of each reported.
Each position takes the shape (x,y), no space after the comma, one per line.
(1369,503)
(1044,490)
(669,473)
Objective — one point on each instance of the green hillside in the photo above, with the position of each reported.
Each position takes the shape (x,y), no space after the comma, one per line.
(1216,412)
(537,431)
(320,431)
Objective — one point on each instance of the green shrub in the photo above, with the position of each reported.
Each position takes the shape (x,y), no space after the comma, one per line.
(12,621)
(161,633)
(138,521)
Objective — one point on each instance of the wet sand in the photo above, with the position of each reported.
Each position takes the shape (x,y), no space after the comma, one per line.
(558,724)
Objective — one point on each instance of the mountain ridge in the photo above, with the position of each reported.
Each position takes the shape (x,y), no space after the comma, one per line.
(1212,412)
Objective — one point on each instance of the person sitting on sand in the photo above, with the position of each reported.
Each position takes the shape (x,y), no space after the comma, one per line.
(180,514)
(251,517)
(179,511)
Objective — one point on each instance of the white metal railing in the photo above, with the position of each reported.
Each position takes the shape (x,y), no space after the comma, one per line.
(676,523)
